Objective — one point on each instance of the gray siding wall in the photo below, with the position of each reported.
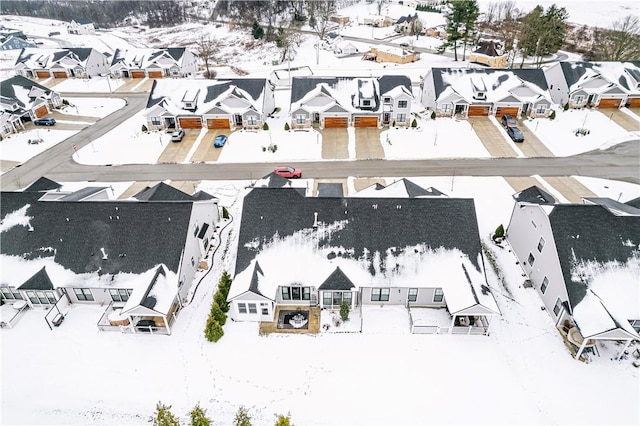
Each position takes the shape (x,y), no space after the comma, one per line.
(524,238)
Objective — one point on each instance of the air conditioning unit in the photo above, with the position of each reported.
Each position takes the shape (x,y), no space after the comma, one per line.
(527,284)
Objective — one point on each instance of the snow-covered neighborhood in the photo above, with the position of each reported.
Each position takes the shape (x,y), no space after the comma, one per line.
(346,231)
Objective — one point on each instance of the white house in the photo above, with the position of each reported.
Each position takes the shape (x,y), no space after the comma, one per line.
(22,99)
(81,26)
(154,63)
(78,62)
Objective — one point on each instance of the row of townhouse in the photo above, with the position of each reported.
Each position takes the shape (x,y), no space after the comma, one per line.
(137,257)
(89,62)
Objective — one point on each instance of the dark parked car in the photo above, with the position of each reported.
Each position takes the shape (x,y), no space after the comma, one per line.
(47,121)
(515,134)
(219,141)
(288,172)
(177,135)
(508,121)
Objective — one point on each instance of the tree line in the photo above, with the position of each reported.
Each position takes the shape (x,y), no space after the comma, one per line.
(163,416)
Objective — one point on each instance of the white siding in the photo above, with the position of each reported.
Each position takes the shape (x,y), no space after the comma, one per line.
(428,92)
(555,77)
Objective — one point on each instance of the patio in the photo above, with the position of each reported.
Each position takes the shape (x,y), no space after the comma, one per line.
(285,313)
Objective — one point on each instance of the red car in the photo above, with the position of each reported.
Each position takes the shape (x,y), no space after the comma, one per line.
(288,172)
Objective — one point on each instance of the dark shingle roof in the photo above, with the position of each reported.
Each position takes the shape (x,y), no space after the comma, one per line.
(202,196)
(162,192)
(573,71)
(39,281)
(330,190)
(135,236)
(370,224)
(255,279)
(7,91)
(634,203)
(147,300)
(591,233)
(337,281)
(616,207)
(81,194)
(253,86)
(176,52)
(42,184)
(489,48)
(533,194)
(534,76)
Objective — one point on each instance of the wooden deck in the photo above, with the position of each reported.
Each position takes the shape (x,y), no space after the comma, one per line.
(570,346)
(312,328)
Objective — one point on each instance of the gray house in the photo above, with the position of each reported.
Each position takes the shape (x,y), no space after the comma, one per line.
(418,252)
(582,260)
(350,101)
(135,257)
(23,100)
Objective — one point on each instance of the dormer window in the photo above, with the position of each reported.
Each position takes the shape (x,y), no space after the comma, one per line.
(366,102)
(188,105)
(386,100)
(480,96)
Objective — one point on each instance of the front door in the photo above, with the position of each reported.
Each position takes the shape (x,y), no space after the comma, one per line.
(386,117)
(238,119)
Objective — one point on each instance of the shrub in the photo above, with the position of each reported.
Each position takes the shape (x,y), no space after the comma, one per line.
(265,126)
(499,231)
(242,417)
(65,102)
(224,285)
(566,106)
(284,420)
(144,128)
(199,416)
(414,123)
(552,116)
(213,331)
(221,299)
(344,310)
(217,314)
(286,126)
(433,115)
(163,416)
(225,213)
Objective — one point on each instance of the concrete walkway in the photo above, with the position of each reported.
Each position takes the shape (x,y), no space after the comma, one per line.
(491,137)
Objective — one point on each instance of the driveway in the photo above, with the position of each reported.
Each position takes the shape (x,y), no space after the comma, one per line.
(188,186)
(335,144)
(520,183)
(569,187)
(491,137)
(136,85)
(623,119)
(176,152)
(532,146)
(206,151)
(368,144)
(343,182)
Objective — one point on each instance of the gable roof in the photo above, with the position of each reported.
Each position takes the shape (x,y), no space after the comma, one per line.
(337,281)
(623,75)
(489,48)
(141,58)
(162,192)
(107,237)
(534,194)
(42,184)
(17,89)
(402,188)
(39,281)
(83,193)
(634,203)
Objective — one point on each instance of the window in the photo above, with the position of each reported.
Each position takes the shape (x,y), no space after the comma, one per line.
(379,294)
(295,293)
(540,244)
(337,298)
(402,104)
(386,100)
(531,259)
(155,121)
(252,308)
(188,105)
(83,294)
(326,298)
(120,294)
(578,99)
(242,308)
(346,297)
(10,293)
(401,118)
(252,120)
(445,108)
(366,102)
(195,230)
(41,297)
(540,109)
(264,307)
(301,119)
(413,294)
(306,293)
(558,307)
(438,295)
(285,293)
(545,284)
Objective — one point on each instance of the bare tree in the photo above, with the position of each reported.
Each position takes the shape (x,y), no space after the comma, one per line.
(288,40)
(320,13)
(206,48)
(621,42)
(379,4)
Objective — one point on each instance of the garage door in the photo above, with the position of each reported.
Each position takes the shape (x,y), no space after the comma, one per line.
(137,74)
(513,111)
(634,103)
(218,123)
(42,111)
(609,103)
(155,74)
(475,111)
(60,74)
(43,74)
(190,122)
(332,122)
(365,122)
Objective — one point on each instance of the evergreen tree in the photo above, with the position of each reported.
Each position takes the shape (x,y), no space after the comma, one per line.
(163,416)
(199,416)
(499,231)
(344,310)
(217,314)
(225,213)
(455,19)
(471,11)
(213,331)
(284,420)
(224,285)
(242,417)
(256,31)
(221,300)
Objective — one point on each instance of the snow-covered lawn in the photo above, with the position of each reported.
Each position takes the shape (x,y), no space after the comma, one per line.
(92,107)
(560,135)
(96,84)
(253,146)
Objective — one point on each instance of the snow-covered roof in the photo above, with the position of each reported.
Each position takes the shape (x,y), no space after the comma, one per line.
(402,188)
(43,58)
(598,76)
(156,291)
(142,58)
(526,85)
(20,90)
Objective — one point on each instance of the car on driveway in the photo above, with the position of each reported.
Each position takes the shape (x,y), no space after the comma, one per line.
(507,121)
(288,172)
(515,134)
(47,121)
(177,135)
(219,141)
